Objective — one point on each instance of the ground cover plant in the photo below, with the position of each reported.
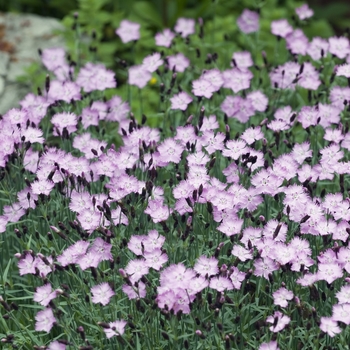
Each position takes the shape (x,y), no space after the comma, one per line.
(218,221)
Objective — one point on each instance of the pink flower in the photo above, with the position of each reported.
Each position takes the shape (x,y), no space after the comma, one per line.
(180,101)
(44,294)
(339,46)
(164,38)
(56,345)
(185,26)
(237,79)
(89,219)
(134,292)
(344,70)
(308,116)
(304,12)
(272,345)
(341,313)
(281,28)
(102,249)
(65,91)
(153,241)
(285,76)
(282,321)
(242,59)
(179,62)
(33,135)
(136,269)
(258,100)
(252,134)
(214,77)
(155,259)
(317,47)
(248,21)
(310,77)
(281,297)
(118,110)
(263,267)
(202,87)
(329,272)
(53,58)
(237,277)
(152,62)
(206,266)
(242,253)
(95,77)
(220,283)
(176,276)
(212,142)
(115,328)
(3,223)
(230,227)
(139,76)
(157,210)
(343,295)
(26,265)
(65,120)
(307,280)
(329,326)
(235,148)
(170,151)
(45,320)
(128,31)
(42,187)
(102,293)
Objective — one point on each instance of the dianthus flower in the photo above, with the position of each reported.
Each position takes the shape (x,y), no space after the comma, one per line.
(64,120)
(339,46)
(272,345)
(317,48)
(134,292)
(185,26)
(44,294)
(178,62)
(157,210)
(102,293)
(45,320)
(281,28)
(180,101)
(248,21)
(304,12)
(152,62)
(279,321)
(329,326)
(115,328)
(220,283)
(202,87)
(281,297)
(242,59)
(139,76)
(95,77)
(237,79)
(206,266)
(263,267)
(53,58)
(128,31)
(236,277)
(164,38)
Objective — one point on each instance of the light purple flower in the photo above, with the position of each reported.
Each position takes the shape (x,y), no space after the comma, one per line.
(128,31)
(248,21)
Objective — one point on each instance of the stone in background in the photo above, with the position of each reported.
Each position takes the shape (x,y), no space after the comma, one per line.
(21,36)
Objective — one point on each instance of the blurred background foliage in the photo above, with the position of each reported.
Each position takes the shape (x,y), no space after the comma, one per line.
(94,38)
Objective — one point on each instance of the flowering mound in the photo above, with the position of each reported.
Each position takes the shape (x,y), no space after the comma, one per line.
(228,227)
